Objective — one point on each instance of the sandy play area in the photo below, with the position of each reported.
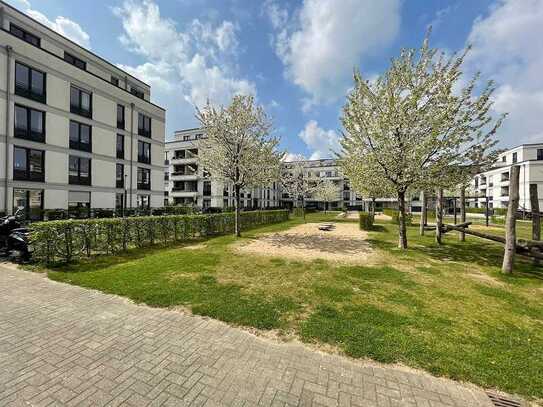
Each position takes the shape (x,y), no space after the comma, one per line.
(345,243)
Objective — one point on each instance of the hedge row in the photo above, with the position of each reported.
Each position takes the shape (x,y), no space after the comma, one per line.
(68,240)
(395,215)
(365,220)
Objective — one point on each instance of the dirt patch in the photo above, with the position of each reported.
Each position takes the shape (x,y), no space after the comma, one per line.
(344,243)
(194,247)
(485,278)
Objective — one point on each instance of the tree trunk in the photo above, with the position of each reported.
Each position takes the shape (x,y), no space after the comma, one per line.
(373,206)
(402,242)
(237,226)
(423,214)
(303,208)
(510,221)
(439,214)
(462,235)
(536,221)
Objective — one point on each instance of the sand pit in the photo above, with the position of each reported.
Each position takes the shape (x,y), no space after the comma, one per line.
(345,243)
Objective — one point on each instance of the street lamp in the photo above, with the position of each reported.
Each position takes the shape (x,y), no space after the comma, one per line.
(125,195)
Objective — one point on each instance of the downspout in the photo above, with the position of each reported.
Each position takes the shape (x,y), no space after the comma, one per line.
(131,151)
(8,102)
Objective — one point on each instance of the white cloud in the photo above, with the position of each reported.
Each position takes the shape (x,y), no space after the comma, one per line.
(507,49)
(64,26)
(187,66)
(323,40)
(289,157)
(323,143)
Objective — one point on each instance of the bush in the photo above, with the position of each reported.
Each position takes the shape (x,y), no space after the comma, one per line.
(497,220)
(395,215)
(298,212)
(67,240)
(365,220)
(500,211)
(475,210)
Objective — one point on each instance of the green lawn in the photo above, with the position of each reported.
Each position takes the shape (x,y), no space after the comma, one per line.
(444,309)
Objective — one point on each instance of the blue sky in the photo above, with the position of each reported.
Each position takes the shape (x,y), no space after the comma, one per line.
(297,56)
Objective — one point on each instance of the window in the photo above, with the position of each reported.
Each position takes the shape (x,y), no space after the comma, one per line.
(515,157)
(29,124)
(120,146)
(79,204)
(504,159)
(207,188)
(80,136)
(540,153)
(115,80)
(120,175)
(28,164)
(29,82)
(80,170)
(136,92)
(75,61)
(24,35)
(119,201)
(144,152)
(144,178)
(120,117)
(143,202)
(31,200)
(80,102)
(144,125)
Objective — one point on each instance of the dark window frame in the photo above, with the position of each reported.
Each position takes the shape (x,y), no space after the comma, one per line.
(75,61)
(121,123)
(79,145)
(142,131)
(119,153)
(28,134)
(119,183)
(26,36)
(27,174)
(142,185)
(143,159)
(28,92)
(539,153)
(137,92)
(515,158)
(78,179)
(115,81)
(77,109)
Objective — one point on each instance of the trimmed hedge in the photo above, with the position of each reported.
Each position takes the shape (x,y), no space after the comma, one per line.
(68,240)
(395,215)
(365,220)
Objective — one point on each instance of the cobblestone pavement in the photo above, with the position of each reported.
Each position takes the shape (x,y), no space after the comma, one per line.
(65,345)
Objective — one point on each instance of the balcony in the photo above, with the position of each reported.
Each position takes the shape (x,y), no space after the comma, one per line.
(183,176)
(184,193)
(185,160)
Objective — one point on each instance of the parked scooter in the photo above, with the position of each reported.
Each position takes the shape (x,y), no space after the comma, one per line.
(18,244)
(13,236)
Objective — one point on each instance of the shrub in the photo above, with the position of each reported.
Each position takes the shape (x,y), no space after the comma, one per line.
(67,240)
(500,211)
(365,220)
(497,220)
(298,212)
(395,215)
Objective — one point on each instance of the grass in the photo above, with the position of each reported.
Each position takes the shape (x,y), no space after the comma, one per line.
(446,309)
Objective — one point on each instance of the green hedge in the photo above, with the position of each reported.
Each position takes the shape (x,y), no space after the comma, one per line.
(395,215)
(365,220)
(68,240)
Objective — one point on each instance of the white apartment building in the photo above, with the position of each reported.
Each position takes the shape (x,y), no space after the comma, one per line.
(187,184)
(494,184)
(75,130)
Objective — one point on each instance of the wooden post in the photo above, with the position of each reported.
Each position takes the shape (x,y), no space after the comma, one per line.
(439,214)
(423,213)
(462,235)
(536,221)
(510,221)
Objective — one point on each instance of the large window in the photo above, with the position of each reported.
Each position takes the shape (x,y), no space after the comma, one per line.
(30,83)
(120,146)
(80,170)
(144,152)
(30,200)
(144,201)
(515,157)
(144,125)
(80,136)
(540,153)
(115,80)
(136,92)
(144,178)
(119,176)
(24,35)
(75,61)
(80,102)
(120,117)
(29,124)
(28,164)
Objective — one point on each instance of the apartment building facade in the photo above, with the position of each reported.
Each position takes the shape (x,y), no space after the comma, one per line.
(75,130)
(187,183)
(493,185)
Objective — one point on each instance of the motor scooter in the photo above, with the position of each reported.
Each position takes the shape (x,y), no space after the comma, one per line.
(11,233)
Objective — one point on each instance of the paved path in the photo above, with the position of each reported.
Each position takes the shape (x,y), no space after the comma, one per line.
(65,345)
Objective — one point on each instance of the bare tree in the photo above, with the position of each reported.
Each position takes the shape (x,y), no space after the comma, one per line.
(238,148)
(327,192)
(415,121)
